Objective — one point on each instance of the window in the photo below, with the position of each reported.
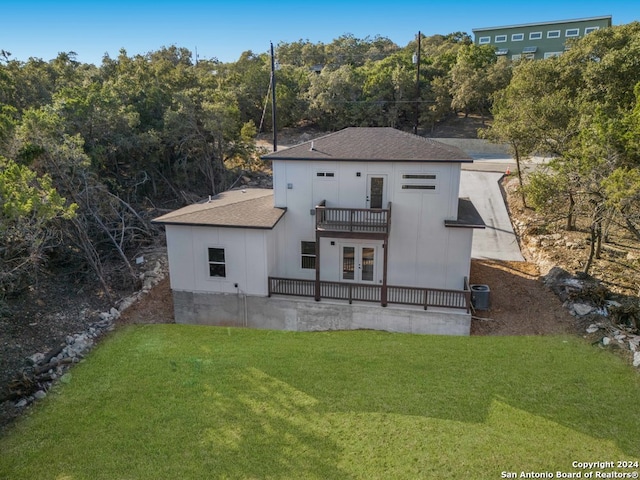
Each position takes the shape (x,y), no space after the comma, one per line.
(529,49)
(484,40)
(572,32)
(502,51)
(552,54)
(590,29)
(418,187)
(501,38)
(517,37)
(516,57)
(217,265)
(419,181)
(530,56)
(535,36)
(325,174)
(419,176)
(308,251)
(553,34)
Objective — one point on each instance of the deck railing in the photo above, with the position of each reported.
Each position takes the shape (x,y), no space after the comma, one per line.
(424,297)
(359,220)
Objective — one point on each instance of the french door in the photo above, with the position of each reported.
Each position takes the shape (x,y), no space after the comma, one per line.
(358,263)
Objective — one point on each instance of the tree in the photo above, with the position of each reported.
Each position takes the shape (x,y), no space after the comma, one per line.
(29,208)
(475,77)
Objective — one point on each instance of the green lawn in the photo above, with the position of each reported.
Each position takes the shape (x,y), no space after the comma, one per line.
(186,402)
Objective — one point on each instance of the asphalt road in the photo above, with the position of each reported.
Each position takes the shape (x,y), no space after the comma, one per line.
(479,182)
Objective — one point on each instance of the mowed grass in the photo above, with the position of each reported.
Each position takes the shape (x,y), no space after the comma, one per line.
(187,402)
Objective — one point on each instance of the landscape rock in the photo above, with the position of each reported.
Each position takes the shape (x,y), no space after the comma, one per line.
(593,328)
(36,358)
(40,394)
(606,341)
(636,359)
(582,309)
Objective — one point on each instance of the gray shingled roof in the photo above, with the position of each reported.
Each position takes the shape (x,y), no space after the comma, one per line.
(247,208)
(468,216)
(378,144)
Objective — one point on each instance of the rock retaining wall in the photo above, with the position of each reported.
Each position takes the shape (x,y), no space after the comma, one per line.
(43,369)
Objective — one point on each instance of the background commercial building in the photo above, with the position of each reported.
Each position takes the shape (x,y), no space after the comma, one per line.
(537,40)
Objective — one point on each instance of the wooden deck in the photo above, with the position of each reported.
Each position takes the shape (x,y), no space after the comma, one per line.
(424,297)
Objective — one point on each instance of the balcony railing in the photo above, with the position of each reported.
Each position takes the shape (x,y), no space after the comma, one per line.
(356,220)
(424,297)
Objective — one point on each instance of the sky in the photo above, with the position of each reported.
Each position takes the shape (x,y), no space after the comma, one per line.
(223,30)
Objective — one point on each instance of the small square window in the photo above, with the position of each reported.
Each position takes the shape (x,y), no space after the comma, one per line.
(484,40)
(501,38)
(572,32)
(517,37)
(217,264)
(590,29)
(553,34)
(535,36)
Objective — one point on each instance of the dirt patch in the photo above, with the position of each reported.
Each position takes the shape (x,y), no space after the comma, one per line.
(154,307)
(520,304)
(458,126)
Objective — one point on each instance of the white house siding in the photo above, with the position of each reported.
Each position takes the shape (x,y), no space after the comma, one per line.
(246,257)
(422,252)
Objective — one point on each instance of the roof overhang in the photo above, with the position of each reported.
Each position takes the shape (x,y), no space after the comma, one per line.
(468,216)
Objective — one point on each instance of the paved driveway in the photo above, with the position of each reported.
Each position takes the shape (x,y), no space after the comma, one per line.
(497,241)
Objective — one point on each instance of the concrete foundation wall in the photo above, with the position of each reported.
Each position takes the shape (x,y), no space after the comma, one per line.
(287,313)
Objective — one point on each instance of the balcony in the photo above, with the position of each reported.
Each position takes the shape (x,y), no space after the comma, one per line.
(353,220)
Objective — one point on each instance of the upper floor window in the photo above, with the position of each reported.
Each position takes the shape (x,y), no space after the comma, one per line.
(484,40)
(419,176)
(517,37)
(217,264)
(501,38)
(325,174)
(419,181)
(552,54)
(590,29)
(572,32)
(553,34)
(535,36)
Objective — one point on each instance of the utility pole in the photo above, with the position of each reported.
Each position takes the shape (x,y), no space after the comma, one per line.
(273,101)
(417,62)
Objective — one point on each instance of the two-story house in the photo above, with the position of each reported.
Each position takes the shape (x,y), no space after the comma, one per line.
(363,229)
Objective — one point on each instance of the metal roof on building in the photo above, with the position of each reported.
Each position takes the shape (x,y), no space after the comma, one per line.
(554,22)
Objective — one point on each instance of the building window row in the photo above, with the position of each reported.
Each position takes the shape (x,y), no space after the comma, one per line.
(519,37)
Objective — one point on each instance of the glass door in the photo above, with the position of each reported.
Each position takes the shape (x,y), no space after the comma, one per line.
(358,263)
(376,191)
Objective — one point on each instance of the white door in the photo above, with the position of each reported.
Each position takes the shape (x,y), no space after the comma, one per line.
(358,263)
(376,191)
